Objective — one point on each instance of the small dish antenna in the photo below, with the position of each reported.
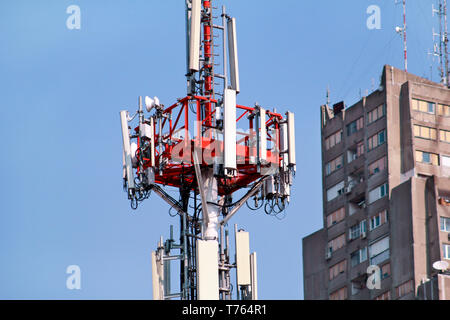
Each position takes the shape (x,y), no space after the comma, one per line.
(440,265)
(149,103)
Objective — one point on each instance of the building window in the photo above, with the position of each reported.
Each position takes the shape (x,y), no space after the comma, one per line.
(384,296)
(445,224)
(443,110)
(377,166)
(357,230)
(356,286)
(446,251)
(379,251)
(335,217)
(385,271)
(335,191)
(376,113)
(425,132)
(376,140)
(378,193)
(423,106)
(445,160)
(336,243)
(444,135)
(337,269)
(360,149)
(340,294)
(354,126)
(333,140)
(405,288)
(334,165)
(378,220)
(358,256)
(427,157)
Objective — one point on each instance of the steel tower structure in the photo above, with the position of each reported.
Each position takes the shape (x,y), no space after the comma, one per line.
(208,147)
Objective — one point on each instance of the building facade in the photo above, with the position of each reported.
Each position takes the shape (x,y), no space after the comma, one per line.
(386,194)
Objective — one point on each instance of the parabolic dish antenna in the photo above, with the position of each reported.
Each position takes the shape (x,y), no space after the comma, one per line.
(440,265)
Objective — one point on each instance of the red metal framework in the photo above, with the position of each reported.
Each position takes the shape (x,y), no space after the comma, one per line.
(176,152)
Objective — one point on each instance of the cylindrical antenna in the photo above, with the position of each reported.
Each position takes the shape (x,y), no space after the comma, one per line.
(404,36)
(446,43)
(328,95)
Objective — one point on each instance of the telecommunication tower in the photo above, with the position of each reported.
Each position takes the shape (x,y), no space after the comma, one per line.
(402,31)
(440,49)
(208,147)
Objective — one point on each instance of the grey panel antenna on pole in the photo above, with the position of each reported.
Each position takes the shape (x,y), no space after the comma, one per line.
(127,149)
(229,131)
(233,55)
(243,258)
(194,36)
(291,138)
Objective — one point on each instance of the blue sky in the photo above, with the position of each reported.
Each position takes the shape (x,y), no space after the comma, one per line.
(61,93)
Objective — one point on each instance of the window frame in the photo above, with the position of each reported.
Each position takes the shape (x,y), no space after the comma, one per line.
(430,155)
(444,224)
(446,134)
(380,137)
(446,251)
(370,114)
(416,105)
(431,132)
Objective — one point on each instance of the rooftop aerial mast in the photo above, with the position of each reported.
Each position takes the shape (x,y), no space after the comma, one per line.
(441,50)
(208,147)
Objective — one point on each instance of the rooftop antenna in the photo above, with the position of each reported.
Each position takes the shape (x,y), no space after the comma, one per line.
(402,31)
(328,95)
(440,50)
(445,40)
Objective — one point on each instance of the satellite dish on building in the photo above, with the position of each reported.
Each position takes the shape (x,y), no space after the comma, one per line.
(440,265)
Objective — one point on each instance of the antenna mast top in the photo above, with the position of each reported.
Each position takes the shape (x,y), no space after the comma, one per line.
(442,50)
(403,32)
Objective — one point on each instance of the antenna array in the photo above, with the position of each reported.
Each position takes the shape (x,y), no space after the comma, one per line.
(208,147)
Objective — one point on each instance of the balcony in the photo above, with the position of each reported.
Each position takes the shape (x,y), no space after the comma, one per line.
(376,260)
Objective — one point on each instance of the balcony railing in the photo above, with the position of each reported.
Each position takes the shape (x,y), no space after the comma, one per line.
(375,260)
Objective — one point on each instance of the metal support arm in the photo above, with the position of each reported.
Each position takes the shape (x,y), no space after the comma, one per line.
(241,202)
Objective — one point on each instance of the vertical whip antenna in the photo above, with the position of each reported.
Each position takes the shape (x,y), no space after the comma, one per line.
(402,30)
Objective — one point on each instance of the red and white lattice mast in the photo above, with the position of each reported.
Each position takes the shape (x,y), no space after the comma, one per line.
(208,147)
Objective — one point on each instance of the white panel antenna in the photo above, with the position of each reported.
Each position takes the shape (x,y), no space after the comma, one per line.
(127,150)
(243,258)
(157,278)
(207,270)
(194,36)
(262,135)
(233,55)
(152,141)
(284,147)
(229,131)
(291,138)
(133,149)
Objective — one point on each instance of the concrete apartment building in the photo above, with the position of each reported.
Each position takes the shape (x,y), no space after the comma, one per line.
(386,194)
